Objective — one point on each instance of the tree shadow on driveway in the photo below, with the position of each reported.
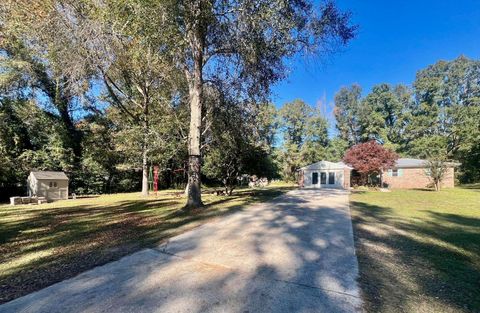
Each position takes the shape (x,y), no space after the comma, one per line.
(293,254)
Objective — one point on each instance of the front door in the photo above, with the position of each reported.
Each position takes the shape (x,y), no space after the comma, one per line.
(314,178)
(323,178)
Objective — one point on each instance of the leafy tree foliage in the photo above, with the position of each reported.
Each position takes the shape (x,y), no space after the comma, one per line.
(436,170)
(305,139)
(436,118)
(379,116)
(244,44)
(444,117)
(370,158)
(347,113)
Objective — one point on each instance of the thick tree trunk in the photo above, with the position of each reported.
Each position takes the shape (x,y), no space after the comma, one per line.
(194,157)
(194,196)
(145,151)
(144,174)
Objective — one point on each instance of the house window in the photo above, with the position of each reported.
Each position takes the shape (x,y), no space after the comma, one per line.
(54,184)
(331,178)
(323,178)
(50,184)
(395,172)
(314,178)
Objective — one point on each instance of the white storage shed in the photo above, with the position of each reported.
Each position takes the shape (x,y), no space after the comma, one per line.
(48,184)
(325,174)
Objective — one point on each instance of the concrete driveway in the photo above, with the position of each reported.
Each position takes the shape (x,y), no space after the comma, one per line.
(292,254)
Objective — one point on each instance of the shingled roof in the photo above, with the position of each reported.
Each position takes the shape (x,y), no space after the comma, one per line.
(417,163)
(51,175)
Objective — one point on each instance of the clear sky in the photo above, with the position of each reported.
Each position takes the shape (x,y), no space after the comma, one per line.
(394,41)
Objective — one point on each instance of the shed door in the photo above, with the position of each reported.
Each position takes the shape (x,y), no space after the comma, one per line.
(314,178)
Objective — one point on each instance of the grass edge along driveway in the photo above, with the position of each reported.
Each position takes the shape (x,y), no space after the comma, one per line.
(44,244)
(418,250)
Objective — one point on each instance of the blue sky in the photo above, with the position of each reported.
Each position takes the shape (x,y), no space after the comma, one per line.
(394,41)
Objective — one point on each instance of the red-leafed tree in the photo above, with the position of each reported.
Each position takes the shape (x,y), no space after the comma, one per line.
(370,158)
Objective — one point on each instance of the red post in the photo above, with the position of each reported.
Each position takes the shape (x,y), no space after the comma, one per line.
(155,179)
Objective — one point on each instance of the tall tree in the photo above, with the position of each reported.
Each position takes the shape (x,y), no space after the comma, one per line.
(225,40)
(234,146)
(382,114)
(294,120)
(34,71)
(444,117)
(117,43)
(346,111)
(267,124)
(305,137)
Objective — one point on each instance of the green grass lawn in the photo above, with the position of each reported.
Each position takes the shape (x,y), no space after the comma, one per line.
(44,244)
(419,251)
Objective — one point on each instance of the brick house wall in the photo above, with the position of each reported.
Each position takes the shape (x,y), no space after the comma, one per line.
(410,178)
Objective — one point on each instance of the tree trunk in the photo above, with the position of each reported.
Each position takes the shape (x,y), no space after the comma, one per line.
(144,174)
(194,199)
(145,151)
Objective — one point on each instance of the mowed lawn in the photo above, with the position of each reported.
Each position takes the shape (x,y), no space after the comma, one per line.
(44,244)
(419,251)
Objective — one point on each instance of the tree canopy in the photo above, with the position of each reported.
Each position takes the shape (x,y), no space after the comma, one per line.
(370,158)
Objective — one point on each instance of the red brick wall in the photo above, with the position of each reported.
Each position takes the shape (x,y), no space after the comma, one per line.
(416,178)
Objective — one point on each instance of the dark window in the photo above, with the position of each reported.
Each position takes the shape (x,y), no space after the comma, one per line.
(331,178)
(394,173)
(314,178)
(50,184)
(55,184)
(323,178)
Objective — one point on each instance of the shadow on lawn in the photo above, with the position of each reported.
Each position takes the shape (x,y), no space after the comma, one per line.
(84,236)
(474,187)
(410,265)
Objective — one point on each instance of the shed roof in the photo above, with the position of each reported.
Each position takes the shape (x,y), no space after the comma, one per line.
(326,165)
(49,175)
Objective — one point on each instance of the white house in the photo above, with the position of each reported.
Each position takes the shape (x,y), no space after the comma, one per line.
(51,185)
(325,174)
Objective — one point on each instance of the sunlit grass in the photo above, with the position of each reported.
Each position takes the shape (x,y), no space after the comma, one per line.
(419,251)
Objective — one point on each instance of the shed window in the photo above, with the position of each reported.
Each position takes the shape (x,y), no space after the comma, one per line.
(331,178)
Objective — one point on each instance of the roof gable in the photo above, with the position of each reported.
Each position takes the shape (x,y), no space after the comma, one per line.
(49,175)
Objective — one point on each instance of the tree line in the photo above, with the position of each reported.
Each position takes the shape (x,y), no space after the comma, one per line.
(436,118)
(103,89)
